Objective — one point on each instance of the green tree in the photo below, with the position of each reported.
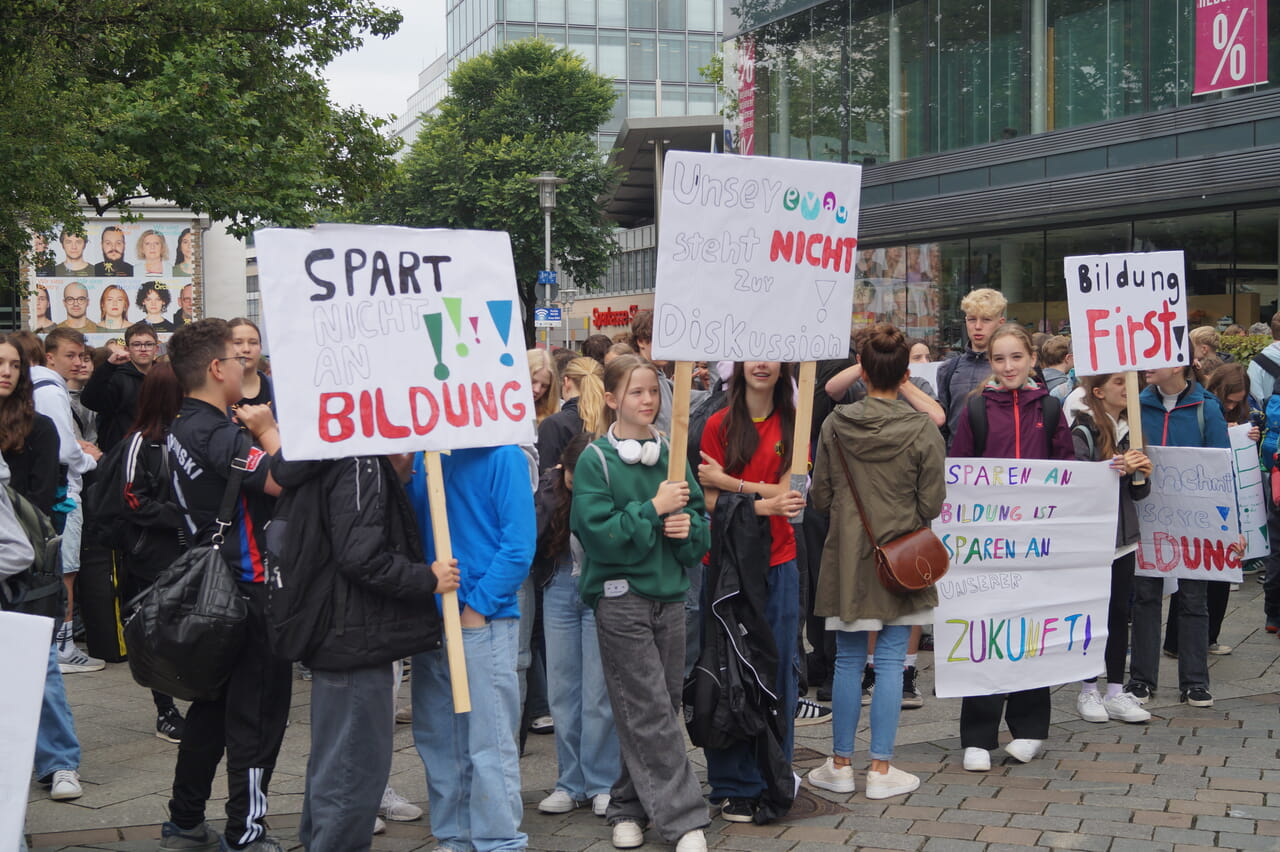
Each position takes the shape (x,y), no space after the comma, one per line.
(522,109)
(216,105)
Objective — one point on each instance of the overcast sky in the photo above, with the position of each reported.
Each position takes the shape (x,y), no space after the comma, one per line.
(382,75)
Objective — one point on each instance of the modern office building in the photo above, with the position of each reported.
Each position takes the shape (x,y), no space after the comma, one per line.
(1001,135)
(652,49)
(433,85)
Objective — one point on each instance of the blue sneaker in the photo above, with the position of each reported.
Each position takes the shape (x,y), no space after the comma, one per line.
(202,838)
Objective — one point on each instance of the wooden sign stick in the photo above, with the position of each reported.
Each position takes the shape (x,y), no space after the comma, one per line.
(800,438)
(449,600)
(1135,418)
(679,437)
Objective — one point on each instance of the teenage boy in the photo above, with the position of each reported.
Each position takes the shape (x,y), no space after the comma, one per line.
(472,763)
(63,349)
(248,720)
(112,390)
(983,313)
(1057,361)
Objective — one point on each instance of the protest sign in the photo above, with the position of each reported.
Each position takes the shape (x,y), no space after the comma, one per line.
(1251,500)
(25,639)
(755,258)
(389,340)
(1128,311)
(927,370)
(1025,602)
(1190,519)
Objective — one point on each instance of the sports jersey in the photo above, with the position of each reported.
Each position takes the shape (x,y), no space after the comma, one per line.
(202,443)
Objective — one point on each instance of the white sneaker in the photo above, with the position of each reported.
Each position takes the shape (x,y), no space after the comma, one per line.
(895,782)
(1089,706)
(692,841)
(1024,751)
(628,834)
(828,776)
(398,808)
(404,715)
(71,659)
(1123,707)
(1218,649)
(559,802)
(977,760)
(600,804)
(379,827)
(65,786)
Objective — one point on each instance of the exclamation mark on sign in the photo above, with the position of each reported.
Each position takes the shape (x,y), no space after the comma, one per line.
(1224,511)
(500,310)
(1088,633)
(825,289)
(435,328)
(475,327)
(453,305)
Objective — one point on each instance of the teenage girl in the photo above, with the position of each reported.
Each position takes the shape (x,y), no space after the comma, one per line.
(1101,432)
(546,390)
(746,447)
(246,337)
(638,530)
(1015,429)
(586,743)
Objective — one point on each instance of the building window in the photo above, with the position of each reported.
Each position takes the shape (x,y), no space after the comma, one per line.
(613,54)
(642,14)
(582,12)
(642,56)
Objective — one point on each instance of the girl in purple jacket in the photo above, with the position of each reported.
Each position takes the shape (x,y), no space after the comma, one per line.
(1013,407)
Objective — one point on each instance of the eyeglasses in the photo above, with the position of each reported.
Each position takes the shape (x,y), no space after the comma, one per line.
(243,359)
(76,300)
(141,345)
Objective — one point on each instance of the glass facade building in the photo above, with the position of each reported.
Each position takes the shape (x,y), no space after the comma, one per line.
(652,49)
(1000,136)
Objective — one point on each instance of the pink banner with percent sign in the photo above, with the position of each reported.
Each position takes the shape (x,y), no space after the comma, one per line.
(1231,44)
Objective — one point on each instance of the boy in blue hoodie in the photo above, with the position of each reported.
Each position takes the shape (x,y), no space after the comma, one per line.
(472,762)
(1177,412)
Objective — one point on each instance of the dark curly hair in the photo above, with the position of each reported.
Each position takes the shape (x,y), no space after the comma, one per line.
(159,288)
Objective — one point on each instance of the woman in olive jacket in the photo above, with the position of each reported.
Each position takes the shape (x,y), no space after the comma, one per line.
(895,455)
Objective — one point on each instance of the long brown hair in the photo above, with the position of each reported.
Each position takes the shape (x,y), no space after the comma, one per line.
(1106,445)
(18,409)
(1231,378)
(740,435)
(617,377)
(159,399)
(556,540)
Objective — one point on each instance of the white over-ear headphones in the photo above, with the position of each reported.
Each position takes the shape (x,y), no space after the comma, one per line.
(632,451)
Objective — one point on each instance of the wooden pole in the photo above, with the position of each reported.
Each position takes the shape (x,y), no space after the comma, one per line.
(449,600)
(800,439)
(679,437)
(1135,418)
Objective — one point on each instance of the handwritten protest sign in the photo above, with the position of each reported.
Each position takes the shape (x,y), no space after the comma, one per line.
(1025,602)
(1250,498)
(1128,311)
(755,258)
(1190,518)
(389,340)
(25,639)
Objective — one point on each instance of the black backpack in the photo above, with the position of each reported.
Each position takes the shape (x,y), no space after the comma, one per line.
(38,590)
(1050,409)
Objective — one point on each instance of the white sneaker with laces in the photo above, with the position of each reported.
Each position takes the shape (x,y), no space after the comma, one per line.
(72,660)
(627,834)
(65,785)
(692,841)
(1123,707)
(977,760)
(379,827)
(397,808)
(895,782)
(1024,750)
(1089,706)
(600,804)
(559,802)
(829,776)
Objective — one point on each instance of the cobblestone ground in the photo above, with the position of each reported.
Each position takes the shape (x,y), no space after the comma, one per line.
(1188,780)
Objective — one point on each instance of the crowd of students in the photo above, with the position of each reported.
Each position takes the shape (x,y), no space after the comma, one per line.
(590,586)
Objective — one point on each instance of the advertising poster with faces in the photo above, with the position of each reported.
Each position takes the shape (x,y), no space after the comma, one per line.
(899,285)
(111,276)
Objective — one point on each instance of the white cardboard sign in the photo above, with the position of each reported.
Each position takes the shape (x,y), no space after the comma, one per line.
(1128,311)
(1025,601)
(1190,518)
(25,639)
(390,340)
(755,258)
(1250,497)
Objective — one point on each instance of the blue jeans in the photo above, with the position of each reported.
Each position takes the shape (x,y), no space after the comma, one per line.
(732,772)
(586,742)
(886,698)
(351,731)
(693,616)
(57,746)
(473,768)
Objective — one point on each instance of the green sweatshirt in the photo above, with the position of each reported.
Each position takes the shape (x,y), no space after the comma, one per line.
(621,534)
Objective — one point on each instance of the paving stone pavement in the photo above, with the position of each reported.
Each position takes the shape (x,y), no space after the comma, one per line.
(1191,779)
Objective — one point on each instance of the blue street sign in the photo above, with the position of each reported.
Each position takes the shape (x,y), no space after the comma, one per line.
(546,276)
(546,317)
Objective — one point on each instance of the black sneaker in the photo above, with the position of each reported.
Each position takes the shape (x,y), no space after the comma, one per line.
(1140,692)
(868,684)
(911,697)
(738,810)
(1196,696)
(169,725)
(811,713)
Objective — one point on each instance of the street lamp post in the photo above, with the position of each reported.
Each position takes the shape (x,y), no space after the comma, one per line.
(547,183)
(567,297)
